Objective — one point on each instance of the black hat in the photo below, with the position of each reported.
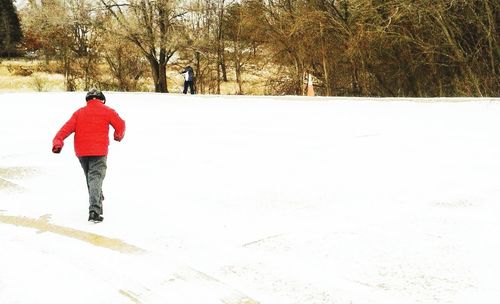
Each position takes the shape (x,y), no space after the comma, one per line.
(95,93)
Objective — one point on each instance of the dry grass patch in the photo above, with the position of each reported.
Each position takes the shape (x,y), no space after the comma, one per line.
(28,76)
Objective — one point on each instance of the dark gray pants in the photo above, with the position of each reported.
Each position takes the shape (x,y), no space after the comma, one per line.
(189,84)
(94,168)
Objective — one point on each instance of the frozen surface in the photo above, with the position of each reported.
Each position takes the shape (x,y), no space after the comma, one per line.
(243,200)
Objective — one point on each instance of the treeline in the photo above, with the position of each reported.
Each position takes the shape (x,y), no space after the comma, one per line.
(388,48)
(10,29)
(351,47)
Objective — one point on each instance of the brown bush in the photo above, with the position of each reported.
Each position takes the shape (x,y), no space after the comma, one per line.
(19,70)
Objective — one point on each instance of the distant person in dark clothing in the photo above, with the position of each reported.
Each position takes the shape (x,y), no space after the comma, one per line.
(188,79)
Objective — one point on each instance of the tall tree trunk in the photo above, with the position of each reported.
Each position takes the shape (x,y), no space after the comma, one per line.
(198,82)
(458,54)
(220,48)
(223,61)
(163,78)
(493,49)
(300,76)
(218,72)
(163,71)
(324,63)
(238,67)
(158,71)
(326,76)
(155,72)
(162,64)
(356,88)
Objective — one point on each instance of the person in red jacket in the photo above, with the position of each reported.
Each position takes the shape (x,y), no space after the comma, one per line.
(91,127)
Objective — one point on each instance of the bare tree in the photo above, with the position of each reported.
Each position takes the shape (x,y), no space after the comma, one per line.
(244,38)
(126,65)
(206,43)
(149,25)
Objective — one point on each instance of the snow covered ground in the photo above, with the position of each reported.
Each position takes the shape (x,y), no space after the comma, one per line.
(244,200)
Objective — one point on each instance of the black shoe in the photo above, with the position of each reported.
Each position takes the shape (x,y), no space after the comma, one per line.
(94,217)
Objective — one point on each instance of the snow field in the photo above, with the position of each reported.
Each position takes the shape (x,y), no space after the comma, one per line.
(255,200)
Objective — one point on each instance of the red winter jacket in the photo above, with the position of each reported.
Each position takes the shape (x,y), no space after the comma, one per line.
(91,127)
